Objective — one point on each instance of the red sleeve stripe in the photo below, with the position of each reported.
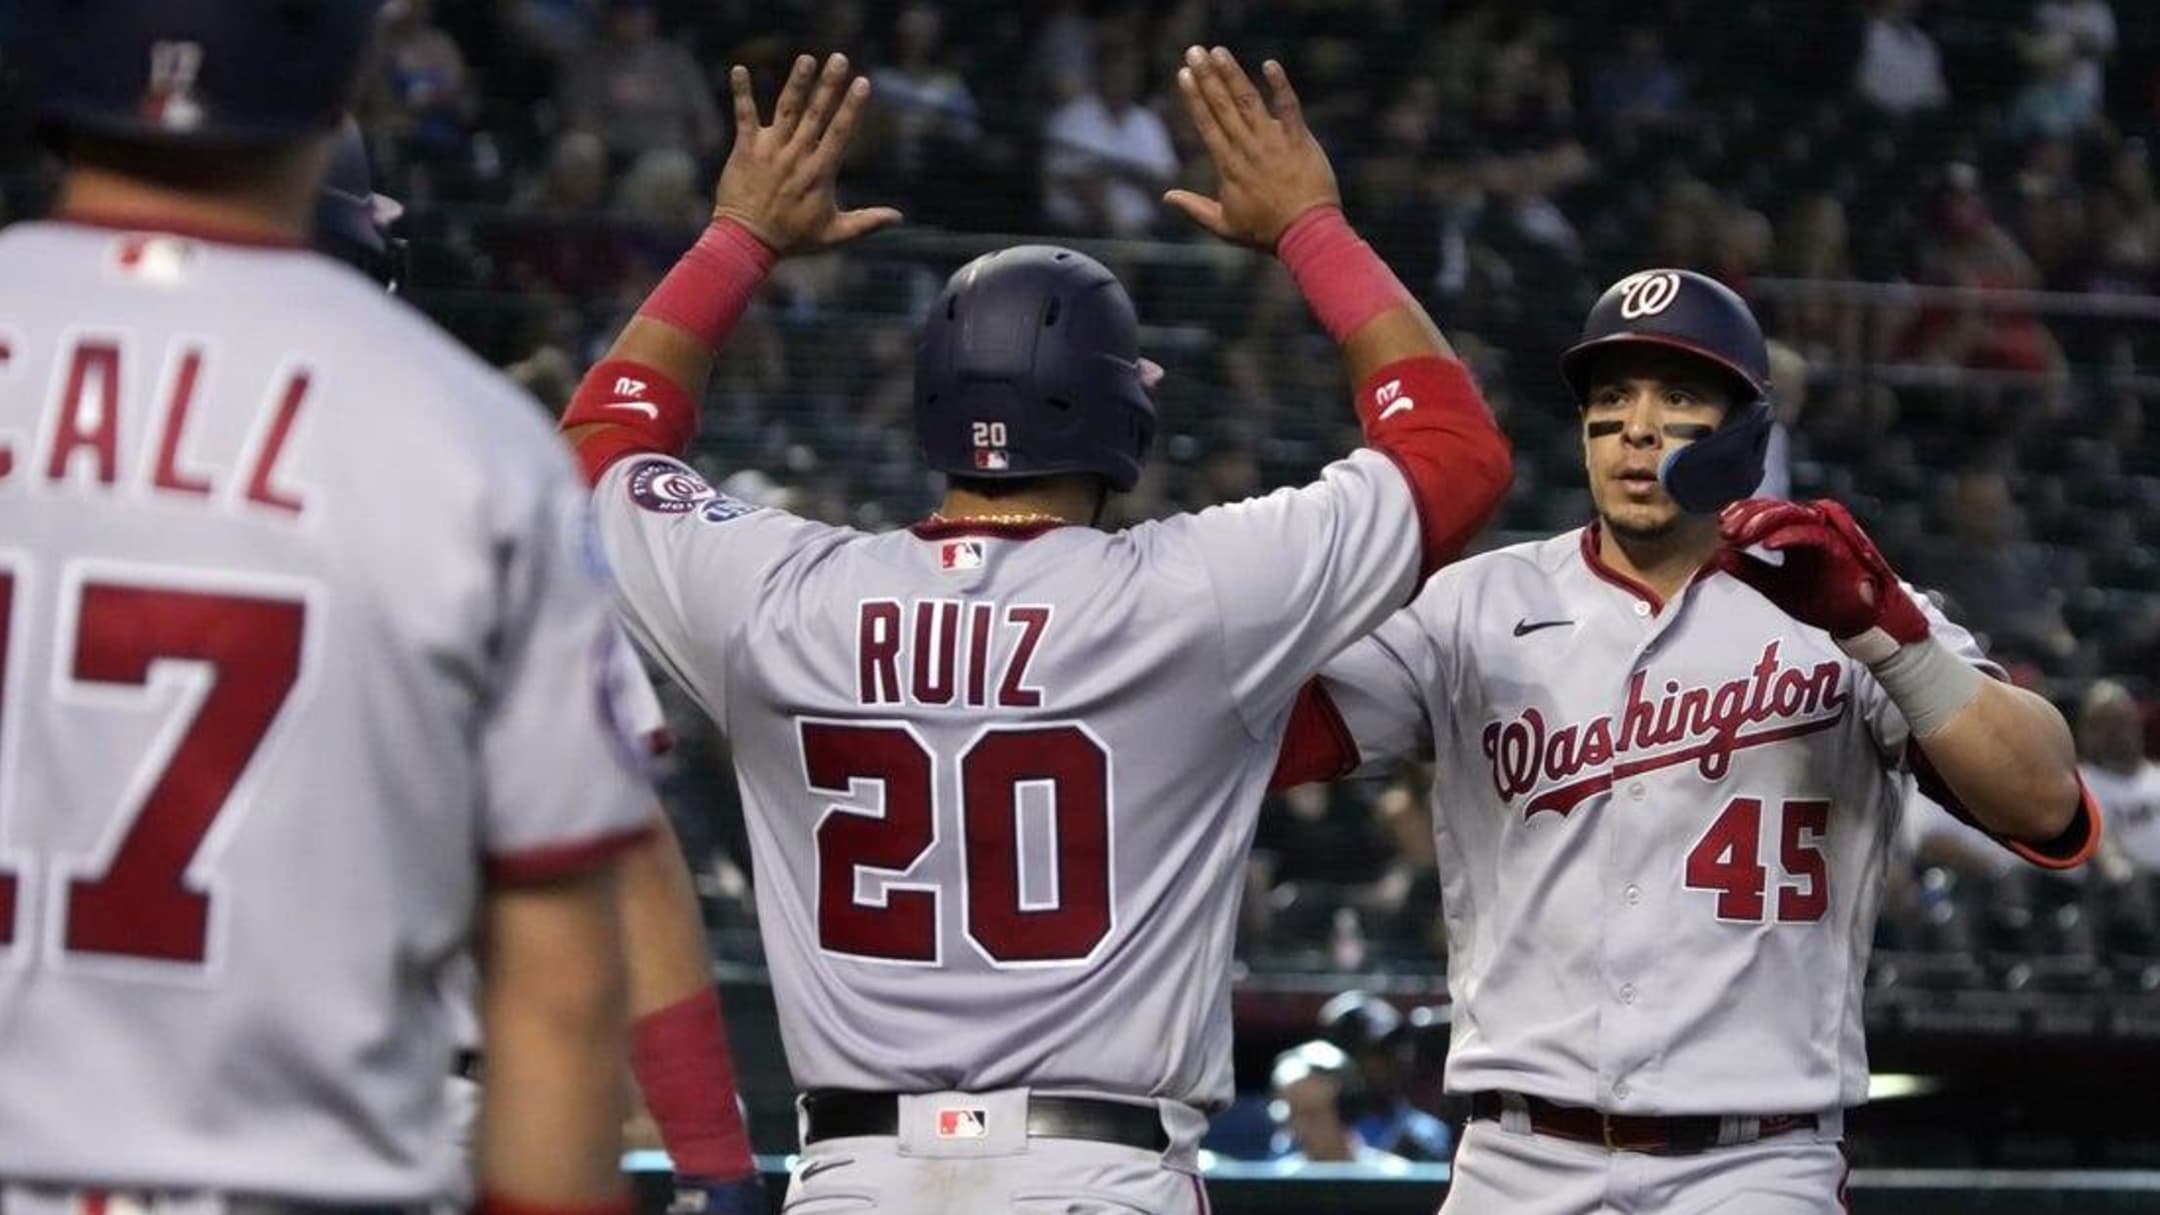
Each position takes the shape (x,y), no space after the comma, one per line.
(2072,848)
(552,861)
(1318,745)
(1427,415)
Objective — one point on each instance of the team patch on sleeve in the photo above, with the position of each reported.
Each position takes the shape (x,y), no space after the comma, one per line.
(668,488)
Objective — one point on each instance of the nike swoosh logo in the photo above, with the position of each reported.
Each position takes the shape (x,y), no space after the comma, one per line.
(647,408)
(1401,404)
(1524,627)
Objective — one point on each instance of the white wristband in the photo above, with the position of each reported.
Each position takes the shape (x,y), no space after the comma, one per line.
(1927,683)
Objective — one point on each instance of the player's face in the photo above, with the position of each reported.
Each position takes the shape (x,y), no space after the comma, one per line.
(1644,404)
(1313,1120)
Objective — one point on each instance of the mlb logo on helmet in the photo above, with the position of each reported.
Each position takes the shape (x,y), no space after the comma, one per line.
(169,101)
(960,555)
(994,461)
(962,1123)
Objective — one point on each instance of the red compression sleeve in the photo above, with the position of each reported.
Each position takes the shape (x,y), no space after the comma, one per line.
(708,290)
(1318,745)
(1344,281)
(680,1057)
(1427,415)
(637,410)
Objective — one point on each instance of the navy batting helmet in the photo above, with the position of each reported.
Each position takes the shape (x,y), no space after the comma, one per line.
(352,221)
(1358,1020)
(1030,365)
(1699,316)
(215,71)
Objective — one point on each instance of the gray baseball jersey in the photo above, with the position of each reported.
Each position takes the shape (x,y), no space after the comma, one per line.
(1660,829)
(301,627)
(1000,783)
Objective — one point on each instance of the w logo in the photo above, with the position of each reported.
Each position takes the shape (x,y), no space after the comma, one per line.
(1648,293)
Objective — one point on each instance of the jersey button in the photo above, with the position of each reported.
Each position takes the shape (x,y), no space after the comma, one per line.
(1635,790)
(1641,608)
(1633,894)
(1620,1091)
(1627,996)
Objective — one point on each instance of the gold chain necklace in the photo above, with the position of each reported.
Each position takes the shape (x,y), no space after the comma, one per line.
(1007,520)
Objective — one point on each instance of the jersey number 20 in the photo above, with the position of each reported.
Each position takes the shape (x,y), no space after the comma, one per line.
(1062,925)
(143,905)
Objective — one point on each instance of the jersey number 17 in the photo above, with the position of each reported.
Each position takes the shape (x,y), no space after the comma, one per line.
(144,903)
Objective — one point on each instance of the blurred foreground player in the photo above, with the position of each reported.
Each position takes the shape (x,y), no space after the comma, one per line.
(1001,769)
(679,1046)
(307,675)
(1670,752)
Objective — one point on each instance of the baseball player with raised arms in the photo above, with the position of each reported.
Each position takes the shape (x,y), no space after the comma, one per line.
(679,1047)
(1001,769)
(1670,749)
(306,675)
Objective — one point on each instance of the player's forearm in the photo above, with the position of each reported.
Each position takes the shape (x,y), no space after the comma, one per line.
(664,936)
(678,1042)
(1415,401)
(2009,758)
(553,1016)
(1357,299)
(642,397)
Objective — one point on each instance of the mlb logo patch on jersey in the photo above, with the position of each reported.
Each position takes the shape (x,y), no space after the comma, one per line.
(668,488)
(154,257)
(954,555)
(962,1123)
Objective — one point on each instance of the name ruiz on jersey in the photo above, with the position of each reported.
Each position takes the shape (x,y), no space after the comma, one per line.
(80,434)
(948,653)
(1696,725)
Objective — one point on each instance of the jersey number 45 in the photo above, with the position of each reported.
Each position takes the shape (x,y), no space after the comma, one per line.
(1060,925)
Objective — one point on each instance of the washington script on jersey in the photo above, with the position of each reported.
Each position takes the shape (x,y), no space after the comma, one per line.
(1526,756)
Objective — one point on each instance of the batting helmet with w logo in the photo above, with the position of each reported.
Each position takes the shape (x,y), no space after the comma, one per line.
(1698,316)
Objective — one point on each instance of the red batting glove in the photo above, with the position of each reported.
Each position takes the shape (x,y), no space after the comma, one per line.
(1833,577)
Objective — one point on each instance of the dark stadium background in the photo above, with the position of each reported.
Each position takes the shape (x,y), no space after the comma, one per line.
(1959,266)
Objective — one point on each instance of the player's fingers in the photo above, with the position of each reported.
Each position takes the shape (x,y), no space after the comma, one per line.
(1251,108)
(1745,523)
(746,116)
(1797,536)
(1203,115)
(1215,91)
(1774,581)
(832,83)
(826,160)
(1285,104)
(794,95)
(849,225)
(1200,209)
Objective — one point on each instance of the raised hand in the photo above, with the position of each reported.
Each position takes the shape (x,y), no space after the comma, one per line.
(1833,577)
(1271,168)
(778,181)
